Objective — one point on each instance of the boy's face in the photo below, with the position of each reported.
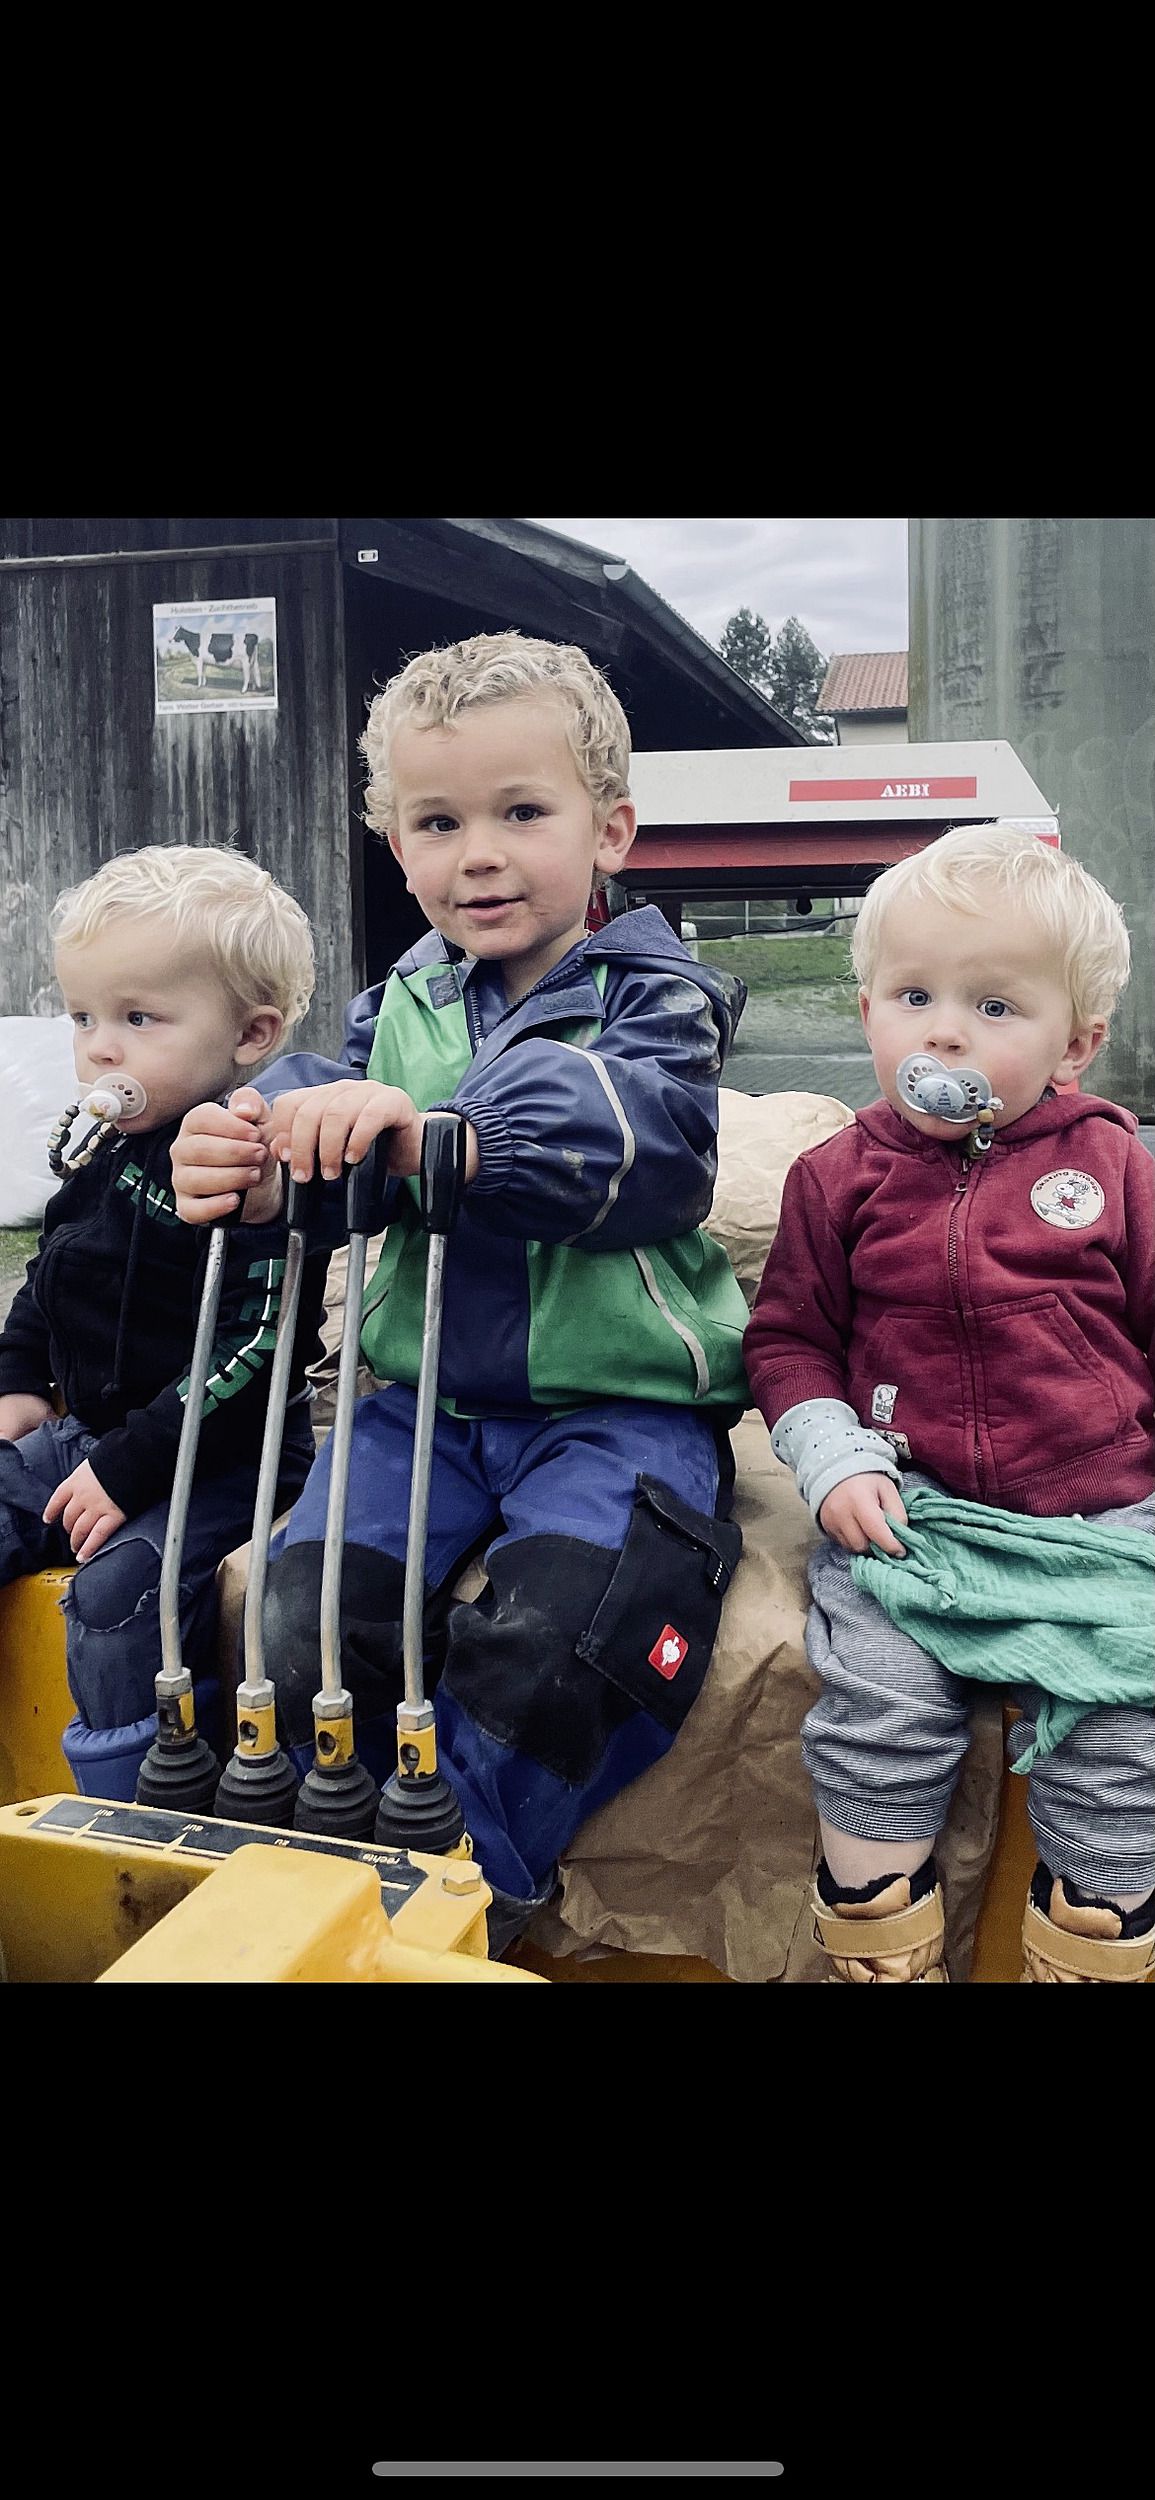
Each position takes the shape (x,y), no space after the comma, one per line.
(496,834)
(974,990)
(143,1007)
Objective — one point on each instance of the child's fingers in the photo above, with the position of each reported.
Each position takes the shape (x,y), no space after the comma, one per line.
(368,1125)
(229,1162)
(196,1209)
(247,1104)
(97,1536)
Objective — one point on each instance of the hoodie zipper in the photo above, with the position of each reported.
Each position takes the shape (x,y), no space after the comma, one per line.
(958,1200)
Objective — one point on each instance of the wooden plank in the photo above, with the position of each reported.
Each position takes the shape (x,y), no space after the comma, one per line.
(88,770)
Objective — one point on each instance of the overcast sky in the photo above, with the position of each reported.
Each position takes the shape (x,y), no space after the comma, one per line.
(845,581)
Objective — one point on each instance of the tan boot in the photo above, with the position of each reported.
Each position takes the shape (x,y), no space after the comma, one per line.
(888,1938)
(1080,1940)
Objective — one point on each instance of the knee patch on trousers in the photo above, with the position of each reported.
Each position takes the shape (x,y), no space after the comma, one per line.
(513,1666)
(110,1589)
(372,1595)
(572,1639)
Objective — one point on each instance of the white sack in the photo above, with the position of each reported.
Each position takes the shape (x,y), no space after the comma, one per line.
(37,1083)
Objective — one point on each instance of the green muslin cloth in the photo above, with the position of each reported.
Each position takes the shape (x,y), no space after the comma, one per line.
(1057,1603)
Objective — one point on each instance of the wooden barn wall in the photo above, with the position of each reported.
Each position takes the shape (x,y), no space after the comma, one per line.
(86,769)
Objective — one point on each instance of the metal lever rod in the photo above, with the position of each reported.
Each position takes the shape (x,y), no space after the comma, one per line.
(298,1196)
(442,1182)
(186,1458)
(363,1216)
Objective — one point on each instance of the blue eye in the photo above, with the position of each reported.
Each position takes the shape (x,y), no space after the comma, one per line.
(526,812)
(81,1018)
(139,1016)
(916,998)
(994,1007)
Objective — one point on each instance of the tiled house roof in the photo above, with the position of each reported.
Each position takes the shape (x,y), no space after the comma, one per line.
(865,681)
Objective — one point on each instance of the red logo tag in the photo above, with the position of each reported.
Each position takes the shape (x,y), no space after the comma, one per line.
(668,1651)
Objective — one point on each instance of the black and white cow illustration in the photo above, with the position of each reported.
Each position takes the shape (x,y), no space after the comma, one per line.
(226,650)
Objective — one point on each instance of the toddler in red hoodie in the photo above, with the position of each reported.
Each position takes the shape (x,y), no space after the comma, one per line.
(961,1295)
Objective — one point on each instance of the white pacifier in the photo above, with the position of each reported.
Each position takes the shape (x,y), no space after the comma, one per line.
(923,1084)
(123,1098)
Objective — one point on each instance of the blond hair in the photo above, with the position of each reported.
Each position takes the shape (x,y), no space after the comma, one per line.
(232,915)
(437,686)
(1080,923)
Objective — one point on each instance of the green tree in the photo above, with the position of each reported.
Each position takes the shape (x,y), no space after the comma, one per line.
(747,645)
(786,667)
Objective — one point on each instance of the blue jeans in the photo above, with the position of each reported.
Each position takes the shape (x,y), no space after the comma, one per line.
(112,1604)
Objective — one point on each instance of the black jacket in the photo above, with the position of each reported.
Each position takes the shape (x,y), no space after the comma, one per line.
(108,1315)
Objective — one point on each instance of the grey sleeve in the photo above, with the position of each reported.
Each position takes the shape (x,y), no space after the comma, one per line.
(823,1441)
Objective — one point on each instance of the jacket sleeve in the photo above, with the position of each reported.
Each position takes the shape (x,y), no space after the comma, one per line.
(307,1067)
(606,1145)
(1139,1203)
(25,1369)
(136,1461)
(25,1365)
(798,1330)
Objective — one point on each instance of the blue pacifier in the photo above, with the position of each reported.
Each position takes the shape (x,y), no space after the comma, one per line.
(923,1084)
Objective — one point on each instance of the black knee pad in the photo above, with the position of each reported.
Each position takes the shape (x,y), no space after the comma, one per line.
(372,1596)
(572,1638)
(513,1665)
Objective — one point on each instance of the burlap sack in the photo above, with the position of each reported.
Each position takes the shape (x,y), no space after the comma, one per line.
(710,1854)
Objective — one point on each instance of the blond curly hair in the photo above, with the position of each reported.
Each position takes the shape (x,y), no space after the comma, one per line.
(232,915)
(976,866)
(435,687)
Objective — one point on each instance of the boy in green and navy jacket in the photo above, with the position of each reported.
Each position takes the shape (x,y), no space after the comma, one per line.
(591,1345)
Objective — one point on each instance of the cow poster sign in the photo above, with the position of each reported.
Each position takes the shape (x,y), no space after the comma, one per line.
(215,655)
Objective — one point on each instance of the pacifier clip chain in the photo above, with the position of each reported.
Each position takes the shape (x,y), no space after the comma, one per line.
(123,1099)
(982,1134)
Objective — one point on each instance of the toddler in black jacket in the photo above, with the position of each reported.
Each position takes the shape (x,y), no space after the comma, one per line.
(182,968)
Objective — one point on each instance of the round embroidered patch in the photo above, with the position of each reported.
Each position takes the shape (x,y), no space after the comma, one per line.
(1067,1198)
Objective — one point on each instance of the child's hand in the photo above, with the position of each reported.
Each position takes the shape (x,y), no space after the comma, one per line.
(20,1412)
(856,1514)
(218,1153)
(337,1124)
(89,1516)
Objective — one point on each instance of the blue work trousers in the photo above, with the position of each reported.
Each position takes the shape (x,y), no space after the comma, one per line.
(572,1673)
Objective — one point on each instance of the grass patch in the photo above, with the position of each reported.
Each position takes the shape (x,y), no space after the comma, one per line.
(17,1246)
(788,963)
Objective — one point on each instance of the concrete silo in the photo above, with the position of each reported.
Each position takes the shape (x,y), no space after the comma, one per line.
(1043,633)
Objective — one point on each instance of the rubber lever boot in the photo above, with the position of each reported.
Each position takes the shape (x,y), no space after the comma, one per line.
(889,1931)
(1073,1936)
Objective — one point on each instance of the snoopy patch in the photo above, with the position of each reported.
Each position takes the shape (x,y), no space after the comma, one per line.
(1069,1199)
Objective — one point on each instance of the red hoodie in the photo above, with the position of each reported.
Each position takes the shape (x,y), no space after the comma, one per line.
(999,1314)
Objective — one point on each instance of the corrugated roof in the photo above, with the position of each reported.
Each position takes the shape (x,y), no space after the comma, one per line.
(865,681)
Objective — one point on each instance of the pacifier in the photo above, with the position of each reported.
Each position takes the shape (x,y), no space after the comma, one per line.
(961,1094)
(123,1098)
